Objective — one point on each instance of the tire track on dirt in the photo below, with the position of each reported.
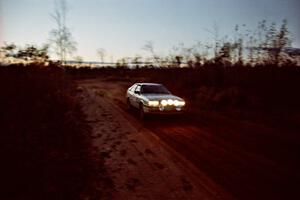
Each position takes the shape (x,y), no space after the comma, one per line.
(140,167)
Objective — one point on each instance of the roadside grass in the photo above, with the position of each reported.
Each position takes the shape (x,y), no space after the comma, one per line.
(45,142)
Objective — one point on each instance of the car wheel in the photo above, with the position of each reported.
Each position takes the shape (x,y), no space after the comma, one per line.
(129,106)
(142,112)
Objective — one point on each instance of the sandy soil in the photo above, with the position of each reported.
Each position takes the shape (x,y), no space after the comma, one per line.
(139,163)
(188,158)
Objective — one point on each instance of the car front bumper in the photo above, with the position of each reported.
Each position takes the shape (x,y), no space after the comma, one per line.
(164,110)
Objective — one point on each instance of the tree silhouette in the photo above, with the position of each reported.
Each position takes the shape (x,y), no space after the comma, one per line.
(30,53)
(8,50)
(149,47)
(33,53)
(78,60)
(283,40)
(61,36)
(101,53)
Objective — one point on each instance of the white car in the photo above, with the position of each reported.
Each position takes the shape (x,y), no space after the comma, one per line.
(153,98)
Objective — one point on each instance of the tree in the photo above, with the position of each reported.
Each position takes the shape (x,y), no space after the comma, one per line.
(101,53)
(33,53)
(78,60)
(282,40)
(225,51)
(61,36)
(240,51)
(149,47)
(261,31)
(178,60)
(137,61)
(8,50)
(122,63)
(275,42)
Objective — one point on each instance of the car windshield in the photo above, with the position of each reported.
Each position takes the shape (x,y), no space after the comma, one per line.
(154,89)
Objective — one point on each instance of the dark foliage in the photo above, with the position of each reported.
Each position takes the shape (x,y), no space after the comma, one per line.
(261,89)
(273,86)
(46,146)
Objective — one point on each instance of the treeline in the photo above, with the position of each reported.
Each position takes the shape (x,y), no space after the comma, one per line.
(267,44)
(278,86)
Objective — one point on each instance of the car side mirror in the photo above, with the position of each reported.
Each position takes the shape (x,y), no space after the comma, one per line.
(137,92)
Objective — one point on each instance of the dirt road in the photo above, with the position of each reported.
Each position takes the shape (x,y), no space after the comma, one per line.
(180,158)
(140,165)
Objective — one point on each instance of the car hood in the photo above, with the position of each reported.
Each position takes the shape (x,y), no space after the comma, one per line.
(158,97)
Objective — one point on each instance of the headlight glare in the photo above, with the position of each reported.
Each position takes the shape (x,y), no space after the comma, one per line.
(179,103)
(170,102)
(164,102)
(176,102)
(153,103)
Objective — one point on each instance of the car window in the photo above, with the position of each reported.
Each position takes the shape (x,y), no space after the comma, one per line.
(138,88)
(132,88)
(154,89)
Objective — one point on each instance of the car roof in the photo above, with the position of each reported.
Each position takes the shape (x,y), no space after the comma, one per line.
(148,84)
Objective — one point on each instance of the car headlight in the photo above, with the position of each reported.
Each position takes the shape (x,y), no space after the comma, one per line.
(172,102)
(179,103)
(164,102)
(153,103)
(176,103)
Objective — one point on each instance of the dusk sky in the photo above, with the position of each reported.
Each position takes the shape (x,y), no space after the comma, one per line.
(122,27)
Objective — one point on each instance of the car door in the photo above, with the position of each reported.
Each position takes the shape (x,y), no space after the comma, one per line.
(136,96)
(130,94)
